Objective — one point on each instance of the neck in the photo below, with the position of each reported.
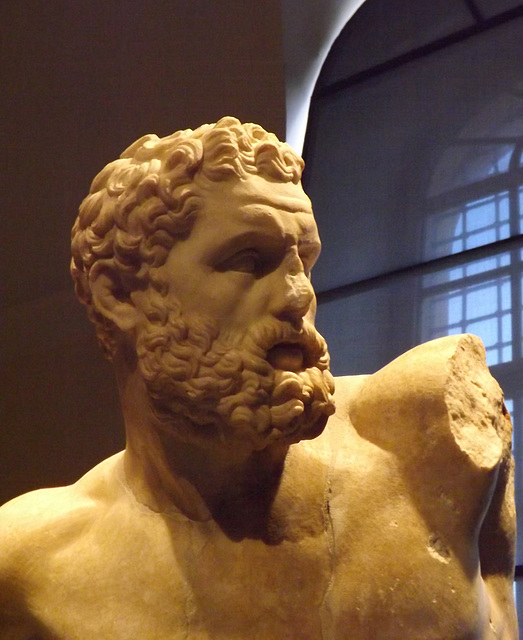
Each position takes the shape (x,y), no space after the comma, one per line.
(225,481)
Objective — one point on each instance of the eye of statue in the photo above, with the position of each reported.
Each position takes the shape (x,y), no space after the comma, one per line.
(308,258)
(245,261)
(307,264)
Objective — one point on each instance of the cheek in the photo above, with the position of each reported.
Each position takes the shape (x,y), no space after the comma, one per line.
(223,295)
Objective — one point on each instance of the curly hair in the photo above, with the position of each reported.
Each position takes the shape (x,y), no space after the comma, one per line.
(141,204)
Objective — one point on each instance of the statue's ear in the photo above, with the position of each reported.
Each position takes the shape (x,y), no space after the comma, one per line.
(111,298)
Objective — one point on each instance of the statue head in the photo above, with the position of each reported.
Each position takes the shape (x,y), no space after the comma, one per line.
(159,224)
(141,204)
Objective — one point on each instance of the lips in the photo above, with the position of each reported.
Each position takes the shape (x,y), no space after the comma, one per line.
(287,356)
(283,348)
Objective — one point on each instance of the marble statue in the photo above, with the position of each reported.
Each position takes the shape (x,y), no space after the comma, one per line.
(244,506)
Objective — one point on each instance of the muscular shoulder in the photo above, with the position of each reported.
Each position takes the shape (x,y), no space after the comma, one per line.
(439,390)
(38,524)
(438,414)
(431,369)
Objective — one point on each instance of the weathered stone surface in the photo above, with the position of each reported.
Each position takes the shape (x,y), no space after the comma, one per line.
(243,506)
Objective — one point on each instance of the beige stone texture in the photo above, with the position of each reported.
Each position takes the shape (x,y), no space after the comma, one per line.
(243,506)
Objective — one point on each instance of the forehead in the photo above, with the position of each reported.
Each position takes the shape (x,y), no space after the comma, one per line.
(255,202)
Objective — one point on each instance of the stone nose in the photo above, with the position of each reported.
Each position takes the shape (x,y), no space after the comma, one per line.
(294,297)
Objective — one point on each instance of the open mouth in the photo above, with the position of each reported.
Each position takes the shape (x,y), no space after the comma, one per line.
(287,356)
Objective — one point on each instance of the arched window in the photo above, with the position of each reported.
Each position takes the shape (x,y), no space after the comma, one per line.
(415,168)
(474,207)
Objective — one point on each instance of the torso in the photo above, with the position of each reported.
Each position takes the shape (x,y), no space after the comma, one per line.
(136,574)
(352,555)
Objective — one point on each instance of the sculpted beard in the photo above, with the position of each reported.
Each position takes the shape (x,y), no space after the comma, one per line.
(225,385)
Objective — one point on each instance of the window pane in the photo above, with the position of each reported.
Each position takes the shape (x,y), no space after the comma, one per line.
(487,264)
(472,225)
(369,328)
(482,308)
(465,163)
(470,269)
(374,149)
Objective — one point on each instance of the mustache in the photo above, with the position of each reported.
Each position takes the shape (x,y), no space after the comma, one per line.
(271,332)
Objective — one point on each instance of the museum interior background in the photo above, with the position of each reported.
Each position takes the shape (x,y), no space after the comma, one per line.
(414,151)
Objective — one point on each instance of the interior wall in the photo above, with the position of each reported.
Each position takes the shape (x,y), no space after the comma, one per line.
(81,80)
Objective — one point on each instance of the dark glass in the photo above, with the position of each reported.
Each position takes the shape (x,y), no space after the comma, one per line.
(374,35)
(380,154)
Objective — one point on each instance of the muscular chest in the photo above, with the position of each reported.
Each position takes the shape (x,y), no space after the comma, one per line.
(350,566)
(181,580)
(184,581)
